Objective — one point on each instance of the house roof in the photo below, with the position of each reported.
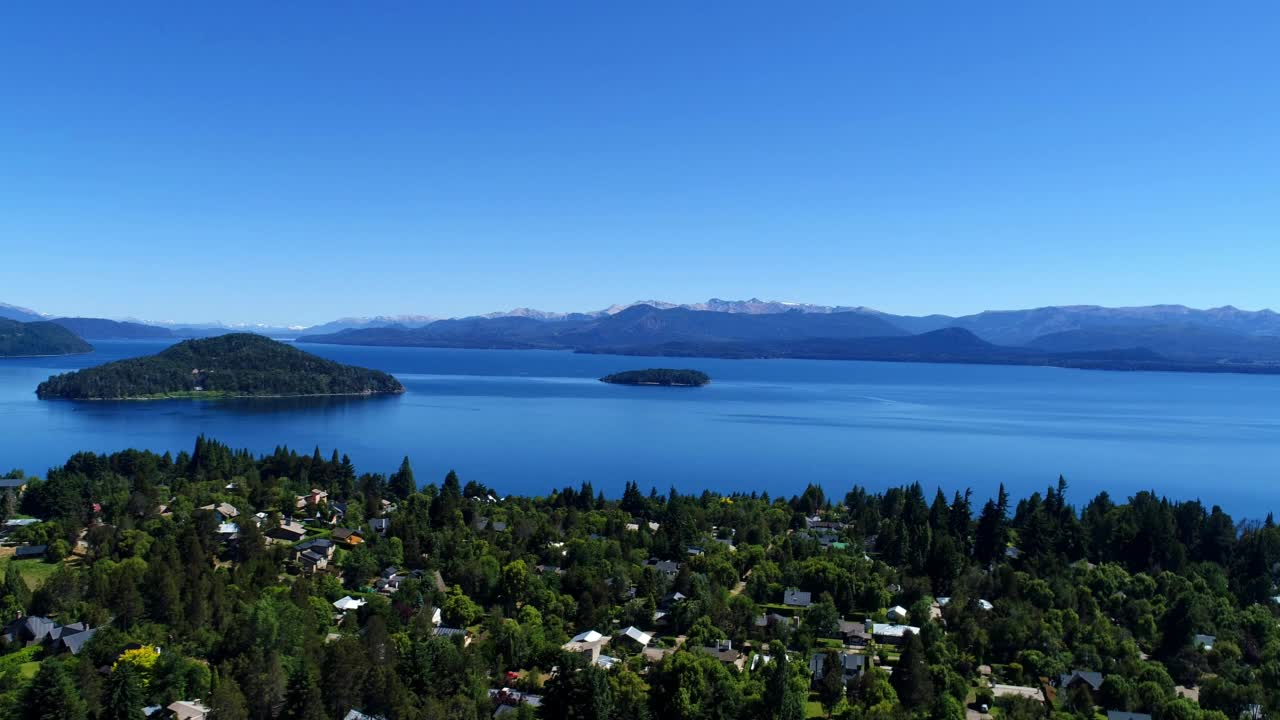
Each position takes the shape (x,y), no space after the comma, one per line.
(314,558)
(638,635)
(1093,679)
(1121,715)
(349,603)
(74,641)
(188,709)
(357,715)
(893,629)
(30,551)
(797,598)
(449,632)
(852,662)
(1205,641)
(898,610)
(590,636)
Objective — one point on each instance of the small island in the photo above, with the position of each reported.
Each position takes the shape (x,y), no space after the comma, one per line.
(226,366)
(659,376)
(40,338)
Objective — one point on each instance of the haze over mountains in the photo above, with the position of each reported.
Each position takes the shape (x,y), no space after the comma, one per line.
(1080,335)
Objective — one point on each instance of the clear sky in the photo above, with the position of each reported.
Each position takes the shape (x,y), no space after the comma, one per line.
(261,162)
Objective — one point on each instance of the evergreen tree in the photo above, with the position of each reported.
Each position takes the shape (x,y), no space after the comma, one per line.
(122,697)
(402,484)
(227,702)
(831,687)
(910,677)
(578,693)
(53,696)
(303,700)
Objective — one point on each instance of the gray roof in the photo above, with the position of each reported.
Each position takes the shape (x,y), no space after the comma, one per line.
(30,551)
(76,640)
(1094,679)
(1120,715)
(797,598)
(853,664)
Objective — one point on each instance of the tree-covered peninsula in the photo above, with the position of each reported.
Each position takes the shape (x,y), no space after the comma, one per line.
(235,365)
(29,339)
(659,376)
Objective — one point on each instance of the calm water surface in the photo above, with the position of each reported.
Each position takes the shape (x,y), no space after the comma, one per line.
(529,421)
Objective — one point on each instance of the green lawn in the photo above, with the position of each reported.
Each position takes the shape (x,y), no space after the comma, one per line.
(21,664)
(34,572)
(813,708)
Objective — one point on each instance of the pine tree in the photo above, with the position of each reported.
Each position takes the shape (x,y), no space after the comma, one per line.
(227,701)
(910,677)
(122,697)
(303,700)
(402,484)
(831,685)
(52,696)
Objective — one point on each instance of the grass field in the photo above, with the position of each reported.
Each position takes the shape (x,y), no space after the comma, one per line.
(34,572)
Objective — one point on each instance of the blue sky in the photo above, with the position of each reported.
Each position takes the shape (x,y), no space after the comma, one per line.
(293,164)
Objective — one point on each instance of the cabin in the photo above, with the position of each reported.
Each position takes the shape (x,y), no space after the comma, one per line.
(30,552)
(347,536)
(1092,680)
(892,633)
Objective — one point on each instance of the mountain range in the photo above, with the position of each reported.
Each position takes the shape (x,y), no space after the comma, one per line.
(1152,337)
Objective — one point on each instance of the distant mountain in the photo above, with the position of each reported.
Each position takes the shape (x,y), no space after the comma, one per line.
(22,339)
(1019,327)
(233,365)
(21,314)
(100,329)
(1176,342)
(639,325)
(351,323)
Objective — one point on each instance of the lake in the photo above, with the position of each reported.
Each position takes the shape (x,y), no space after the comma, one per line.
(529,421)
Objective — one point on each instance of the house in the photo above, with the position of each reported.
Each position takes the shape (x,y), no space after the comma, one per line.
(349,603)
(36,630)
(797,598)
(1120,715)
(724,652)
(898,614)
(289,531)
(189,710)
(347,536)
(853,666)
(606,661)
(587,643)
(892,633)
(670,568)
(854,633)
(354,714)
(636,635)
(315,497)
(15,484)
(380,525)
(1204,642)
(448,632)
(985,605)
(773,620)
(30,552)
(1076,677)
(224,511)
(671,599)
(437,617)
(507,701)
(319,546)
(312,561)
(228,531)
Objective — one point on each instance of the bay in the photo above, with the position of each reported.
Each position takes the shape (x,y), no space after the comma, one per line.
(531,421)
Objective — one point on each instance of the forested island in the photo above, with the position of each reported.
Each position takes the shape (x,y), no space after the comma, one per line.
(659,376)
(29,339)
(295,585)
(234,365)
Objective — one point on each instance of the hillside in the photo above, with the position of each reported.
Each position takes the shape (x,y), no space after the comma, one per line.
(1175,341)
(101,329)
(18,339)
(235,365)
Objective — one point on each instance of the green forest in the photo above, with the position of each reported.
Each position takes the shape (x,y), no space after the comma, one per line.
(293,585)
(234,365)
(26,339)
(659,376)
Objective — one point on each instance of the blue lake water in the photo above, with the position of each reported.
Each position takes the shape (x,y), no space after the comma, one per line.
(530,421)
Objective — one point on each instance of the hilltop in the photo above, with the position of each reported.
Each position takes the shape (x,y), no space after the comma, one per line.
(25,339)
(235,365)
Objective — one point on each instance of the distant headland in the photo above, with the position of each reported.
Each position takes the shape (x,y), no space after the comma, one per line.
(34,339)
(659,376)
(235,365)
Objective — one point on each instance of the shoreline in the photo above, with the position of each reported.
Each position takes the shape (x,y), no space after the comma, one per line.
(216,395)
